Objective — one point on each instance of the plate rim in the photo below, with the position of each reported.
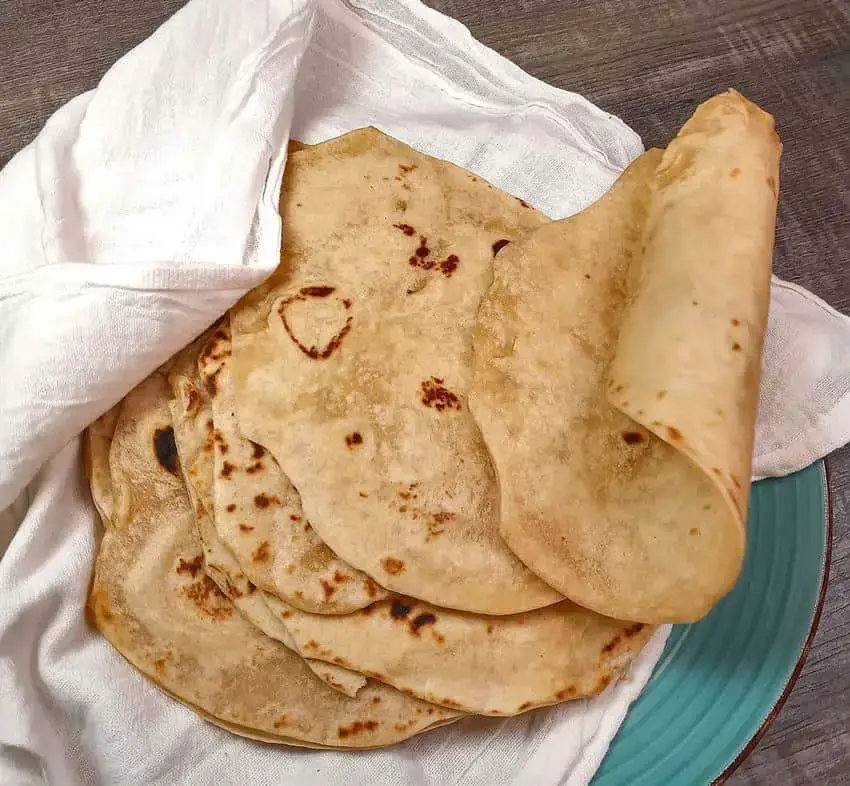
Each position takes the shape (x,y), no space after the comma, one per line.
(759,734)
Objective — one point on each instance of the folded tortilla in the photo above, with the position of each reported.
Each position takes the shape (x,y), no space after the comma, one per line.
(616,371)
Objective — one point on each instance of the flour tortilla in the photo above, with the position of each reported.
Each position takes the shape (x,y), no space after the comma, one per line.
(351,367)
(491,665)
(98,439)
(636,508)
(257,512)
(191,414)
(175,626)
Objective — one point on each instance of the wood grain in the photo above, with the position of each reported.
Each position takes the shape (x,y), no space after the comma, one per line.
(649,62)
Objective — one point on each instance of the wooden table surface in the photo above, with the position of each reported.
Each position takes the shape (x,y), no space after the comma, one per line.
(649,62)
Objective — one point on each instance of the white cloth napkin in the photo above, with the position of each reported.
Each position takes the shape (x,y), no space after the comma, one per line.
(140,213)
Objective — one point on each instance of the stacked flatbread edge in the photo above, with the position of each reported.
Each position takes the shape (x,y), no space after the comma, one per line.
(451,458)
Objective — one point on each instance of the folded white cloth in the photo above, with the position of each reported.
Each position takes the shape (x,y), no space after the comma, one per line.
(140,213)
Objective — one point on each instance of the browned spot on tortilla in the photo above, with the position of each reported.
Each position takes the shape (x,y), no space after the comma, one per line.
(406,228)
(265,500)
(251,588)
(399,610)
(231,507)
(695,302)
(604,682)
(313,352)
(521,201)
(618,389)
(317,291)
(736,347)
(258,452)
(735,172)
(449,265)
(694,530)
(376,699)
(285,615)
(281,722)
(192,566)
(208,598)
(262,553)
(524,706)
(401,205)
(337,660)
(193,400)
(246,528)
(736,322)
(256,467)
(420,621)
(448,703)
(357,727)
(437,396)
(227,469)
(771,182)
(328,589)
(632,437)
(489,628)
(660,394)
(499,245)
(372,588)
(364,494)
(407,167)
(436,523)
(353,439)
(232,590)
(159,664)
(674,433)
(392,565)
(165,449)
(341,578)
(311,645)
(567,693)
(735,481)
(716,470)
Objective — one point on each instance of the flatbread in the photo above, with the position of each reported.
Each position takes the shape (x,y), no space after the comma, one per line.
(257,512)
(616,373)
(191,415)
(175,626)
(98,439)
(351,367)
(496,665)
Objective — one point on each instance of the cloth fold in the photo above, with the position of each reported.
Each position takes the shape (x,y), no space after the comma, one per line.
(148,206)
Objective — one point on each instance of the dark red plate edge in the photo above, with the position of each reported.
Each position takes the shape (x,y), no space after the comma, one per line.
(804,654)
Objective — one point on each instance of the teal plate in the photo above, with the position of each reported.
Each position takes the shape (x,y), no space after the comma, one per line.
(722,680)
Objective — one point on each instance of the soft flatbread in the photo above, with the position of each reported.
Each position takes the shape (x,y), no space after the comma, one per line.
(351,367)
(491,665)
(616,373)
(191,415)
(174,624)
(257,512)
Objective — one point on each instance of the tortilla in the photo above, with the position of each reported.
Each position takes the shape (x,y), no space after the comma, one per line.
(257,512)
(191,414)
(351,366)
(171,621)
(496,665)
(616,385)
(98,439)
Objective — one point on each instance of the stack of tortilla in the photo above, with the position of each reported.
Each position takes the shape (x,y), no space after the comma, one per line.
(451,457)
